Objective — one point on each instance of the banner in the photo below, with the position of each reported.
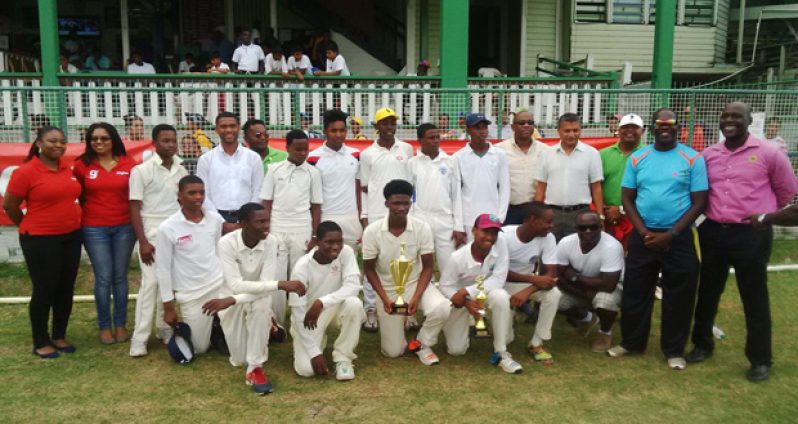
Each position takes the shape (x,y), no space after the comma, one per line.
(12,155)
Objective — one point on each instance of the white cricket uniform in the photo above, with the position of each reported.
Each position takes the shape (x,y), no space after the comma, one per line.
(249,279)
(338,64)
(230,180)
(336,285)
(461,273)
(339,171)
(188,269)
(486,184)
(248,57)
(525,259)
(156,188)
(378,166)
(380,244)
(607,256)
(437,200)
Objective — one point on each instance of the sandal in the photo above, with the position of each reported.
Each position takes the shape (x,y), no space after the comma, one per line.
(540,355)
(106,337)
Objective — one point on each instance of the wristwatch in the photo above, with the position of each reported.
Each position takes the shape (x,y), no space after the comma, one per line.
(574,278)
(602,217)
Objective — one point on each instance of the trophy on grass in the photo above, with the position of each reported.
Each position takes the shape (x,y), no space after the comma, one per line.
(481,328)
(401,268)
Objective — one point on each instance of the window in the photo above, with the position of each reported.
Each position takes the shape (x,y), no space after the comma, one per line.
(642,12)
(591,10)
(698,13)
(627,11)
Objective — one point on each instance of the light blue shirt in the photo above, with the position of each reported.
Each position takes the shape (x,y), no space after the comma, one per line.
(664,181)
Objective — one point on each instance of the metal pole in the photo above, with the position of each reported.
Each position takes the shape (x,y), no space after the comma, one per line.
(125,32)
(48,31)
(740,32)
(662,72)
(454,47)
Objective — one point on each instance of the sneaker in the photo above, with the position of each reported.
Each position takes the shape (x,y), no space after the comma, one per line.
(658,293)
(276,333)
(411,323)
(508,364)
(259,382)
(371,325)
(427,356)
(602,342)
(344,371)
(138,349)
(164,334)
(617,351)
(677,363)
(540,355)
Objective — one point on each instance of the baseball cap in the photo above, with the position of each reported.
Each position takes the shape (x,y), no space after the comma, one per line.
(476,118)
(424,62)
(356,119)
(631,119)
(488,220)
(180,347)
(383,113)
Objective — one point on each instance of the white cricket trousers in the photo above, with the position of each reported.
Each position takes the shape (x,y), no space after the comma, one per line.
(369,295)
(350,225)
(549,302)
(442,228)
(347,316)
(246,330)
(291,245)
(433,305)
(148,302)
(499,318)
(201,324)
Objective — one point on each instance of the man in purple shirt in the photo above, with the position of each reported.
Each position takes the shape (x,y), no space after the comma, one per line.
(746,175)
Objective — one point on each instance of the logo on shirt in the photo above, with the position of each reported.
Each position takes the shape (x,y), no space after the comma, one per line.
(93,174)
(444,170)
(334,269)
(400,157)
(752,158)
(183,240)
(122,173)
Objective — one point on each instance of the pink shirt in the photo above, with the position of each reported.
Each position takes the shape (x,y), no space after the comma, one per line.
(756,178)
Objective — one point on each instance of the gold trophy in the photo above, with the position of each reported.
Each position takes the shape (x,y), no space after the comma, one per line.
(401,268)
(481,328)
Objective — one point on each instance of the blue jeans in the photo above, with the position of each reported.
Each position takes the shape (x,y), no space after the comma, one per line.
(109,248)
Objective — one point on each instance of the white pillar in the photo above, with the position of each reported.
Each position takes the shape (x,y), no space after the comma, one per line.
(524,10)
(229,20)
(411,57)
(273,16)
(125,31)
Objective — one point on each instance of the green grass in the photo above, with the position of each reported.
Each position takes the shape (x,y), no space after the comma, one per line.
(101,383)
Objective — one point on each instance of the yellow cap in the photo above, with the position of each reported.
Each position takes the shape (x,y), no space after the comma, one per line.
(356,119)
(383,113)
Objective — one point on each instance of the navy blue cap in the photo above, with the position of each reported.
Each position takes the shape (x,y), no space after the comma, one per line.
(473,119)
(180,347)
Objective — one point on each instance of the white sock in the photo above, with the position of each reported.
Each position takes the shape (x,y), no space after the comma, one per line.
(609,333)
(252,367)
(536,341)
(588,317)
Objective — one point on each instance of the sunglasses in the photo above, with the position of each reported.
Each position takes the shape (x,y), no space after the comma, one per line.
(259,134)
(100,139)
(664,123)
(529,122)
(584,228)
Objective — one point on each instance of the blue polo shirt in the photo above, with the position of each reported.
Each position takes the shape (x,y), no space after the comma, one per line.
(664,181)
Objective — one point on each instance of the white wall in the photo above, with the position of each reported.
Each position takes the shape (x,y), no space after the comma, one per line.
(359,61)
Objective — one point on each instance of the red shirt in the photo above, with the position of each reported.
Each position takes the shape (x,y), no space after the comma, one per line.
(50,197)
(105,193)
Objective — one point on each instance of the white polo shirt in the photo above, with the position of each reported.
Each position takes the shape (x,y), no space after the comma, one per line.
(273,64)
(607,256)
(331,283)
(524,257)
(248,57)
(230,180)
(144,68)
(186,259)
(338,64)
(156,187)
(292,189)
(523,169)
(462,270)
(437,186)
(379,243)
(568,177)
(378,166)
(248,272)
(339,170)
(486,182)
(303,63)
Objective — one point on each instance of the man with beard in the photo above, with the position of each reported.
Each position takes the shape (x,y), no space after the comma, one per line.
(256,137)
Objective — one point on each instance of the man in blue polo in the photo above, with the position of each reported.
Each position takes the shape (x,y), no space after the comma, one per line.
(664,191)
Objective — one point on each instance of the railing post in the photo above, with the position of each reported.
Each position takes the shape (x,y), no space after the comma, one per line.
(612,98)
(48,31)
(454,52)
(662,68)
(23,99)
(691,122)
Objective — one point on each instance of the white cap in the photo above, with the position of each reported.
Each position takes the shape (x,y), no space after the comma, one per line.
(631,119)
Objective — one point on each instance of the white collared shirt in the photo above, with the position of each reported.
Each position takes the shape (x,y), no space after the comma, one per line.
(381,244)
(486,182)
(524,257)
(338,64)
(156,187)
(273,64)
(292,189)
(230,180)
(186,259)
(568,177)
(437,186)
(248,57)
(523,169)
(338,170)
(462,270)
(303,63)
(144,68)
(606,256)
(249,273)
(378,166)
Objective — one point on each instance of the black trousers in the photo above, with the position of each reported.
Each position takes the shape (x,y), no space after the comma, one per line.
(53,265)
(748,251)
(515,215)
(679,266)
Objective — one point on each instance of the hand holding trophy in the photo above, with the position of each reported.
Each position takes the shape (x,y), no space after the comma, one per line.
(481,328)
(401,268)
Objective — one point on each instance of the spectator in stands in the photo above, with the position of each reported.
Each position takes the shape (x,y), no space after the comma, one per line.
(356,123)
(275,62)
(49,235)
(195,124)
(103,171)
(38,121)
(612,124)
(318,46)
(189,148)
(698,141)
(97,61)
(462,132)
(506,130)
(299,64)
(304,125)
(444,122)
(421,69)
(134,127)
(772,127)
(187,64)
(248,57)
(256,137)
(216,66)
(336,64)
(64,66)
(137,65)
(224,46)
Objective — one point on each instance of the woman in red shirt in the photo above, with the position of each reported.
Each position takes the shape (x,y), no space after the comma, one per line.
(49,234)
(104,172)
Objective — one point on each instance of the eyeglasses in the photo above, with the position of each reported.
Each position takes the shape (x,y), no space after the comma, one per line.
(260,134)
(585,228)
(529,122)
(664,123)
(101,139)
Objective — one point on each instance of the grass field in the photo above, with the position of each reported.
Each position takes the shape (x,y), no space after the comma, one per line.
(102,384)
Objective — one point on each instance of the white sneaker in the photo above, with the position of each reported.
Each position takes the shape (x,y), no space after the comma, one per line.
(164,334)
(371,325)
(617,351)
(658,293)
(427,356)
(138,349)
(509,365)
(678,363)
(344,371)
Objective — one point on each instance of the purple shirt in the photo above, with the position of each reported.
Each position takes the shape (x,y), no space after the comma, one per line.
(755,178)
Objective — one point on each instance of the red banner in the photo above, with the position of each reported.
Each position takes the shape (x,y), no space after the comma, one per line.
(13,154)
